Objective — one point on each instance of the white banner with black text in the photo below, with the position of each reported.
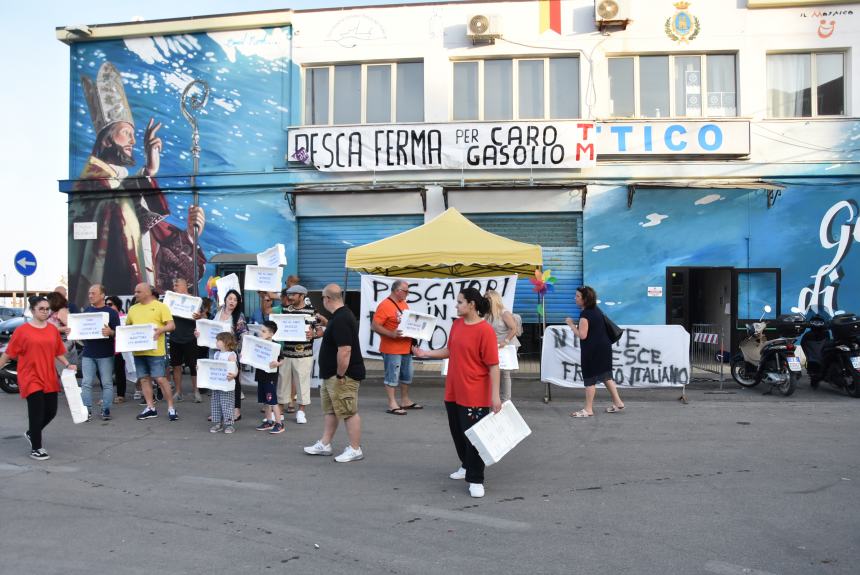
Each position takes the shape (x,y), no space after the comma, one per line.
(645,356)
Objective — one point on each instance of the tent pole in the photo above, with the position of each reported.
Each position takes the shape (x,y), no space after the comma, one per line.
(547,397)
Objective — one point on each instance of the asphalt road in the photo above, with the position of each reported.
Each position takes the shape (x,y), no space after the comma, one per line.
(726,484)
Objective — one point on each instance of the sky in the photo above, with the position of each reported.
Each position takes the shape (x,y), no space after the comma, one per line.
(34,148)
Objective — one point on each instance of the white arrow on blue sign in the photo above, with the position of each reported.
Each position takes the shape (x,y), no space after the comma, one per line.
(25,263)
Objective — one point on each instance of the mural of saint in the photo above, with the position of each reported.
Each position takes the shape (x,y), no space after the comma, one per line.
(134,242)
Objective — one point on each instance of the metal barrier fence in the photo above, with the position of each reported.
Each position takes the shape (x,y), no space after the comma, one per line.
(707,349)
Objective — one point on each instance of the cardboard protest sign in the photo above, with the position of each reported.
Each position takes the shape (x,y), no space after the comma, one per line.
(137,337)
(87,325)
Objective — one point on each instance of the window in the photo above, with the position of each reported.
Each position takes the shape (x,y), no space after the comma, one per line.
(683,86)
(805,85)
(516,89)
(364,93)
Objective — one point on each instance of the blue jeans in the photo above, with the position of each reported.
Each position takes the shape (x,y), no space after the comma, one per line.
(104,367)
(398,369)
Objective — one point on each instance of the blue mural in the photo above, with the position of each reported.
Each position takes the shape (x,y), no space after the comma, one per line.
(131,153)
(808,234)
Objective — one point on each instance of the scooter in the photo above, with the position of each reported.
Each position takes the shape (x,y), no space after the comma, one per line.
(772,361)
(835,361)
(9,374)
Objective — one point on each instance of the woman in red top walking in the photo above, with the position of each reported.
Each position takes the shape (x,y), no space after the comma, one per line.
(472,383)
(37,344)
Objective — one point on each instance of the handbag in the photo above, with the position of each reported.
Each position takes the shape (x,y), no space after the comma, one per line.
(612,330)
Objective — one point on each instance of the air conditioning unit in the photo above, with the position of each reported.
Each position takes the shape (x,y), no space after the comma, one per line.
(606,11)
(483,29)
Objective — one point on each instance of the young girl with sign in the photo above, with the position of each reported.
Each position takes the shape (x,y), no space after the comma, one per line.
(222,401)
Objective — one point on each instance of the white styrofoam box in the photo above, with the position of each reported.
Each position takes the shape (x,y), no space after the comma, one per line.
(497,433)
(73,396)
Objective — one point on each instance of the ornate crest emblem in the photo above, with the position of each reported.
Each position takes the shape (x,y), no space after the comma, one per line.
(683,27)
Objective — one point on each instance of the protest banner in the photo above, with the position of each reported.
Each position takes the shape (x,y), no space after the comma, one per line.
(209,330)
(273,257)
(291,327)
(85,326)
(260,278)
(225,284)
(182,304)
(645,356)
(212,374)
(137,337)
(436,297)
(259,353)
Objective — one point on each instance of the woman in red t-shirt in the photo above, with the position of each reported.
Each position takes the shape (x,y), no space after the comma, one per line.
(472,383)
(37,344)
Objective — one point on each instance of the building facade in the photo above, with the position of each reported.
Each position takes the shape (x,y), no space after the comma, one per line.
(693,161)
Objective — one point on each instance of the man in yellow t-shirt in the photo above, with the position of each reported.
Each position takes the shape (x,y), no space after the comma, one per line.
(153,362)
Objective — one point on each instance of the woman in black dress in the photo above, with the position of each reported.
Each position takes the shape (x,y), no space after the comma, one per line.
(596,352)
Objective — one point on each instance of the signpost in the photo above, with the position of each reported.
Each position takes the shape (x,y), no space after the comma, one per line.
(25,264)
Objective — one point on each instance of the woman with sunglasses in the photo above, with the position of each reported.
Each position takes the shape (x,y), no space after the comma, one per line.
(37,345)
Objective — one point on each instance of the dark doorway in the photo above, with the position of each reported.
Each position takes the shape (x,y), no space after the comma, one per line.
(700,295)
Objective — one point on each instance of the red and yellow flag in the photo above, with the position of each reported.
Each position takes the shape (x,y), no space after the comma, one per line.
(550,16)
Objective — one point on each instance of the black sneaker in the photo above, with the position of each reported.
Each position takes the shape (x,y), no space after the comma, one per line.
(172,415)
(106,414)
(39,455)
(147,413)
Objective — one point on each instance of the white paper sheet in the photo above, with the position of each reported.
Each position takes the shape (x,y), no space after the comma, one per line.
(209,330)
(259,353)
(135,337)
(273,257)
(181,304)
(417,325)
(73,396)
(291,327)
(259,278)
(508,357)
(212,374)
(87,325)
(225,284)
(498,433)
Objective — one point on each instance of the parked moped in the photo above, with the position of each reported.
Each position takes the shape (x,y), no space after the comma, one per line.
(772,361)
(834,359)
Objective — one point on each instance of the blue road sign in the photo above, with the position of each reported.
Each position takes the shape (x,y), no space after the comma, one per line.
(25,263)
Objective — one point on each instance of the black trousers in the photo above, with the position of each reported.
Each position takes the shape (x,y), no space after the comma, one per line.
(119,378)
(41,409)
(459,420)
(237,389)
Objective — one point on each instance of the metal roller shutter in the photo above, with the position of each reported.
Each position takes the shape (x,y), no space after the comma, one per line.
(560,236)
(323,243)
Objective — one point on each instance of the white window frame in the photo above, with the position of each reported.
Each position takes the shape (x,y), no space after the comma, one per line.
(703,71)
(515,83)
(813,76)
(364,66)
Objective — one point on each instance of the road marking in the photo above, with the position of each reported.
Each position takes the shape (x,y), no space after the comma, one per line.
(468,517)
(215,482)
(42,467)
(723,568)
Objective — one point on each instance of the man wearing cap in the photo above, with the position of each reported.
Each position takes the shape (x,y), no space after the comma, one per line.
(298,356)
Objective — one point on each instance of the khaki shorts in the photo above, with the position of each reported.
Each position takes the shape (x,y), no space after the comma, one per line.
(295,370)
(339,398)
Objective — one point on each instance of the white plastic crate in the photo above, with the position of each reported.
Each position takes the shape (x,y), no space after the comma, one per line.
(497,433)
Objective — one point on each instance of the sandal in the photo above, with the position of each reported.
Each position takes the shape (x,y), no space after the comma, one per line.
(581,413)
(398,411)
(614,409)
(290,409)
(412,406)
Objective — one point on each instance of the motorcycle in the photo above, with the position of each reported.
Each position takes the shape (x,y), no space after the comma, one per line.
(772,361)
(835,361)
(9,375)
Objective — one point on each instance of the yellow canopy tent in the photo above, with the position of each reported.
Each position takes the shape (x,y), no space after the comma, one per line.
(447,246)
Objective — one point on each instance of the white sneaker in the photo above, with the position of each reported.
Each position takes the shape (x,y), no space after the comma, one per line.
(197,397)
(301,417)
(137,396)
(349,454)
(318,448)
(476,489)
(459,474)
